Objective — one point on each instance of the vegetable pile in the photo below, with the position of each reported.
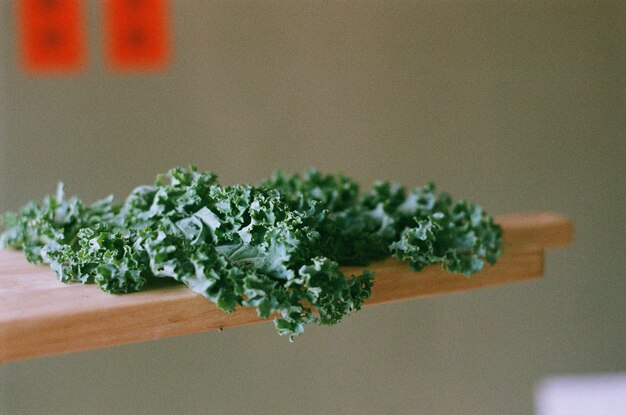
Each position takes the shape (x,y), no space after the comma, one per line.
(277,246)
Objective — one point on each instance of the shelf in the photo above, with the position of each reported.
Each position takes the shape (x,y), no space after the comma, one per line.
(40,316)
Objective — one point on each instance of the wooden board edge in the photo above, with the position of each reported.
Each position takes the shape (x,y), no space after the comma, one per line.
(56,335)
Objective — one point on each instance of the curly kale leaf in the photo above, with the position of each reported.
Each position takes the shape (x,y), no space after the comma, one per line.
(277,246)
(56,220)
(103,256)
(460,237)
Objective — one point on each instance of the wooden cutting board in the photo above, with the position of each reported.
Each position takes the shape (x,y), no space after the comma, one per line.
(39,316)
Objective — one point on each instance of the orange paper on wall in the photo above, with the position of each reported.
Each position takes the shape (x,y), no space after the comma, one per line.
(51,35)
(137,34)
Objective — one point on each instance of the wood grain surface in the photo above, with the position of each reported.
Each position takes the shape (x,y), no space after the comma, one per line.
(39,316)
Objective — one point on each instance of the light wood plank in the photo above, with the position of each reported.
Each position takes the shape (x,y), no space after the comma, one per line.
(39,316)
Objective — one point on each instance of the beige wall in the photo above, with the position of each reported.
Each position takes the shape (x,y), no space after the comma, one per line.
(519,106)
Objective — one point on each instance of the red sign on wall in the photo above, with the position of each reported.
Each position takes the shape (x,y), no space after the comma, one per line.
(137,34)
(51,35)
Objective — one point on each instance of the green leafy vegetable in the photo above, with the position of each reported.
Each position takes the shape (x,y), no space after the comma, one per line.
(277,246)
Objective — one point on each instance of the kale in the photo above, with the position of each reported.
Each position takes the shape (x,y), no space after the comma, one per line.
(277,246)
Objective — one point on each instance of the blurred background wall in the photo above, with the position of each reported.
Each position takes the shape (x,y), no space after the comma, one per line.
(516,105)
